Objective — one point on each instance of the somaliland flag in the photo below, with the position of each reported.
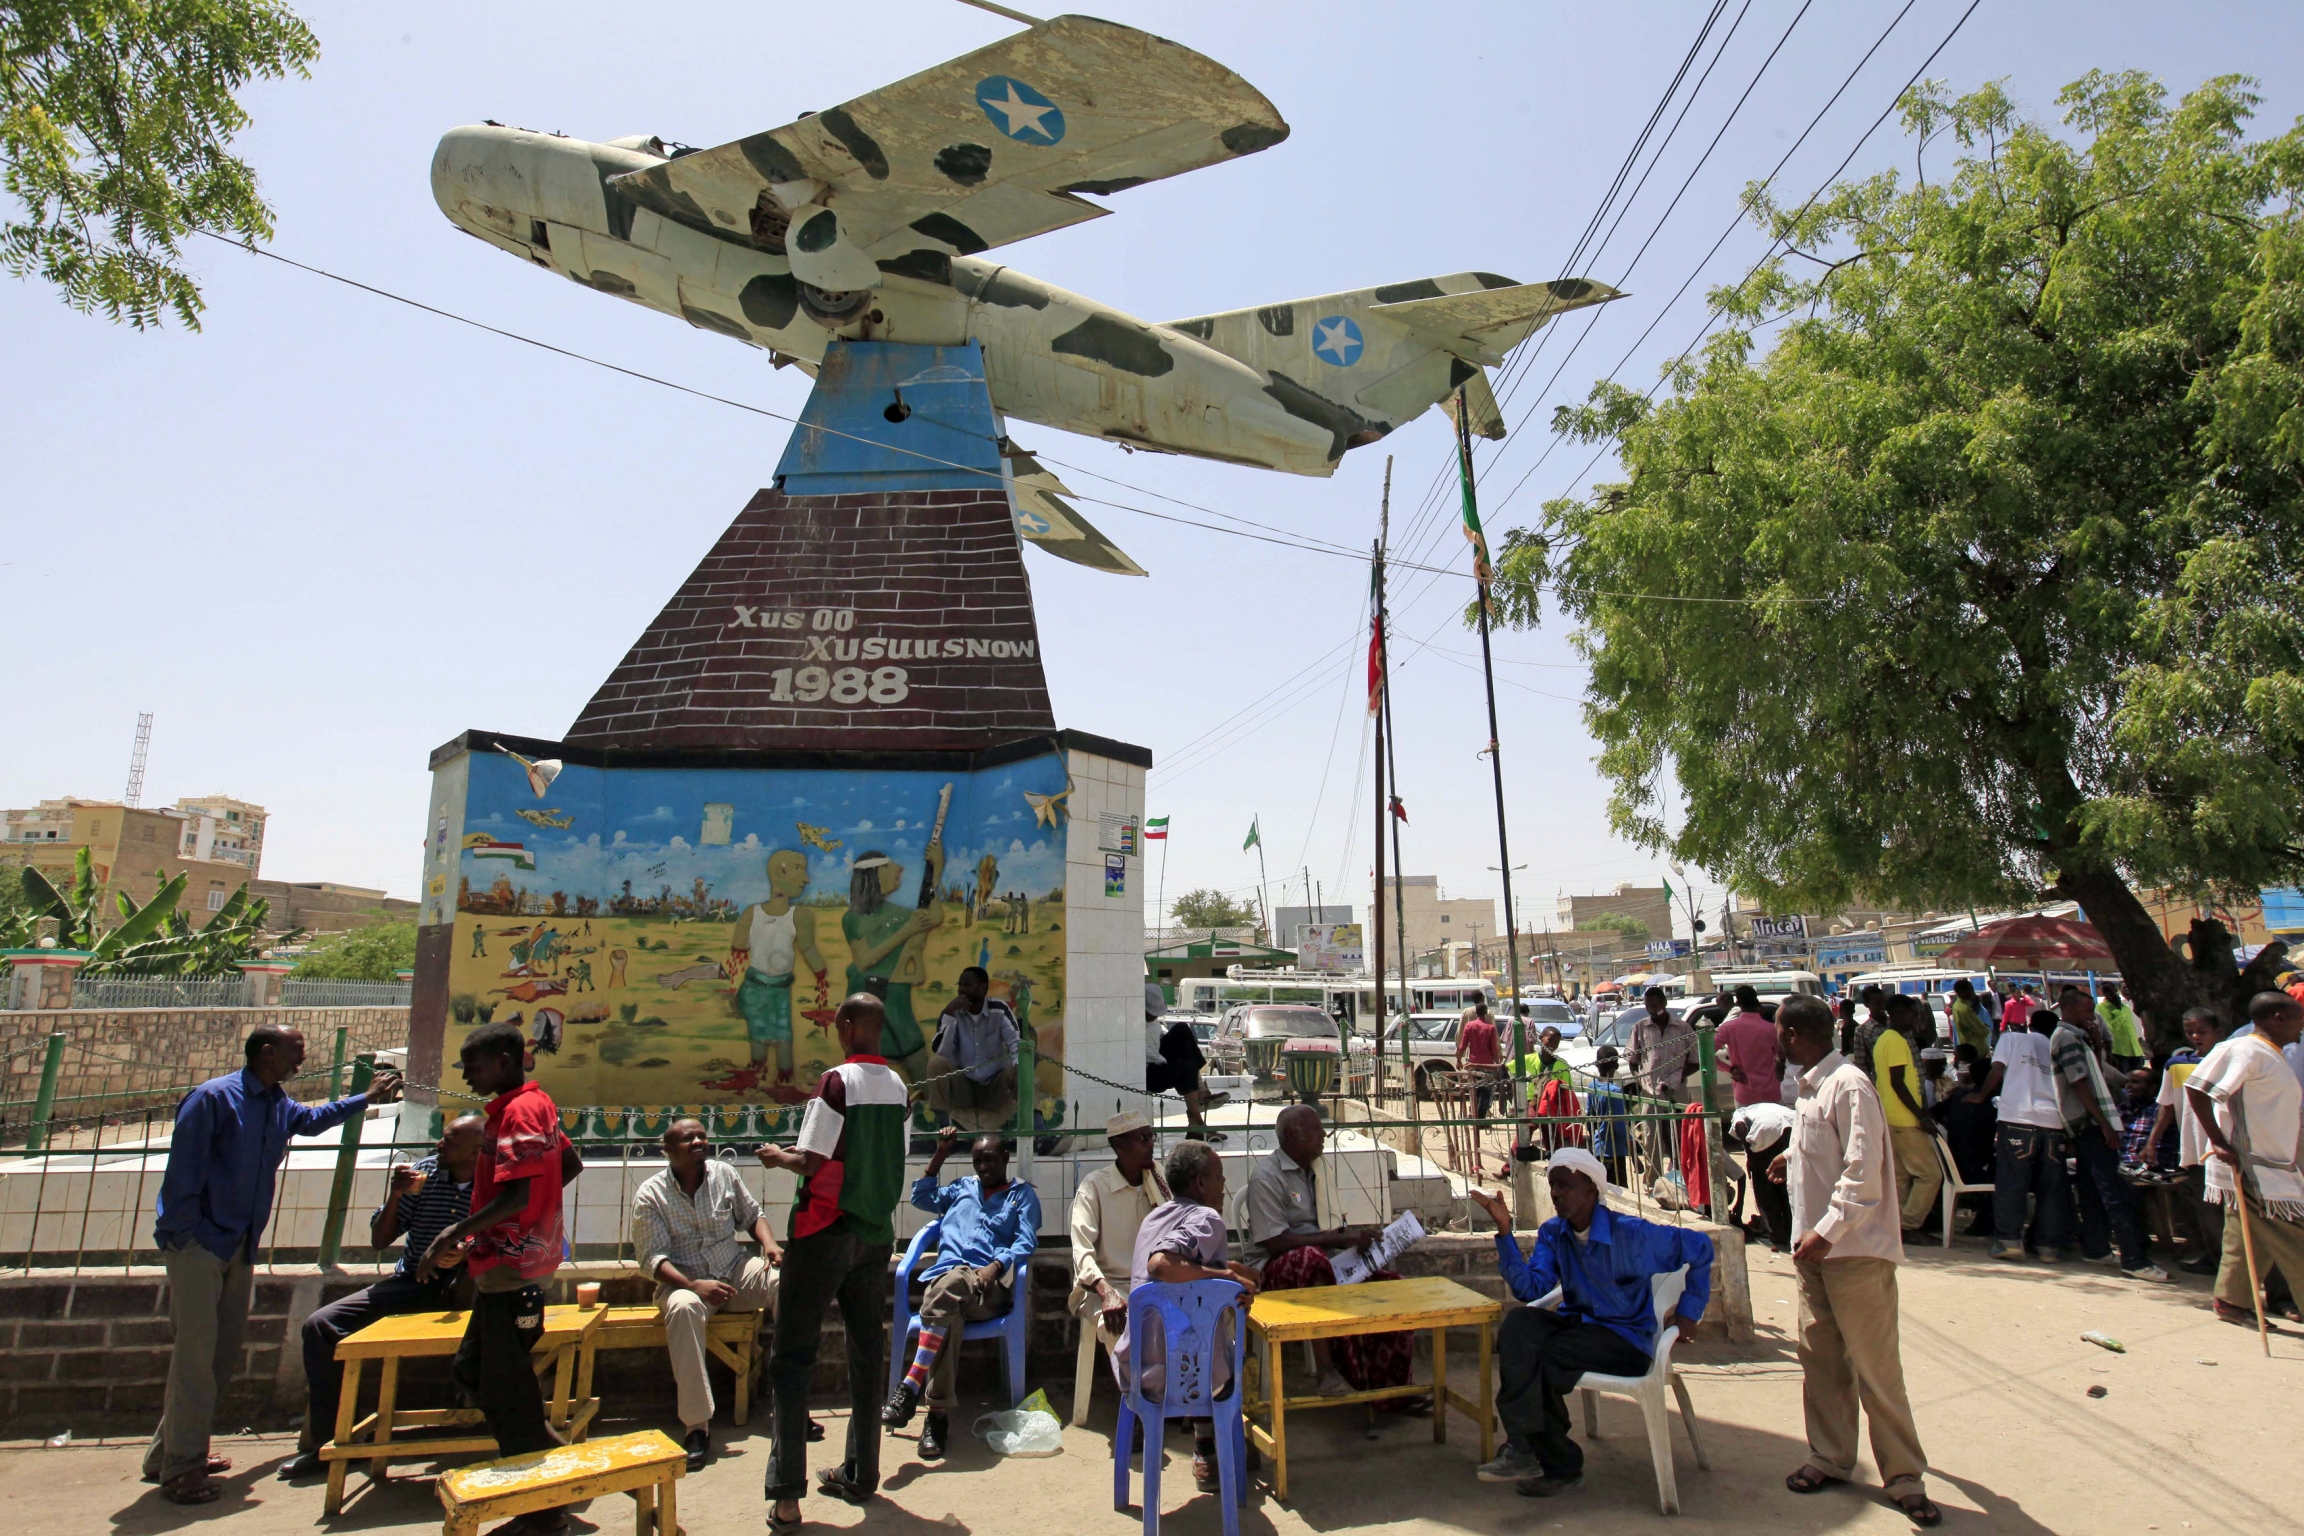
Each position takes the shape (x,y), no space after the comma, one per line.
(1155,829)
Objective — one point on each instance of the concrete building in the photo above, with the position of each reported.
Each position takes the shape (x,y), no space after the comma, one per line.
(322,906)
(214,841)
(219,829)
(130,849)
(1433,919)
(1649,904)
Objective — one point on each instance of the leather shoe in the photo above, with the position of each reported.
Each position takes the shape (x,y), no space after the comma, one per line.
(302,1465)
(932,1437)
(898,1411)
(698,1444)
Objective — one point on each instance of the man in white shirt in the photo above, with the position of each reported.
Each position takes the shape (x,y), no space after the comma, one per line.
(1763,1132)
(972,1064)
(1107,1211)
(2251,1110)
(686,1226)
(1847,1243)
(2028,1151)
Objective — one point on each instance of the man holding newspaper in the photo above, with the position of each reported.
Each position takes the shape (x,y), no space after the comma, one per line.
(1290,1214)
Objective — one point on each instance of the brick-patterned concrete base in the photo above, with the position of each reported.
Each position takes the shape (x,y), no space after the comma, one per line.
(895,621)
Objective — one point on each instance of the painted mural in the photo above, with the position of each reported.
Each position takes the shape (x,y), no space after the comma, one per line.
(683,936)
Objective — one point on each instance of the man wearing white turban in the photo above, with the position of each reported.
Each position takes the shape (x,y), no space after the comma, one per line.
(1602,1262)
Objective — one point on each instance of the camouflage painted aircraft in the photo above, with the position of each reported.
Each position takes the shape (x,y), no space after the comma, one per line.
(871,221)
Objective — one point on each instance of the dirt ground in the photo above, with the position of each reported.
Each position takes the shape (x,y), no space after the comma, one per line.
(2196,1433)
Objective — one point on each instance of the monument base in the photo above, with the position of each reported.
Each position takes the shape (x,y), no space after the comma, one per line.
(829,766)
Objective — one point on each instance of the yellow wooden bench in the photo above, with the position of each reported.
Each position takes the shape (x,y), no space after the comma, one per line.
(732,1338)
(648,1466)
(564,1350)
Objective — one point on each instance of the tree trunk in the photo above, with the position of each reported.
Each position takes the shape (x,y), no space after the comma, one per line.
(2162,983)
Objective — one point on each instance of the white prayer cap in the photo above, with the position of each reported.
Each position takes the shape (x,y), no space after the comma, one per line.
(1124,1122)
(1577,1160)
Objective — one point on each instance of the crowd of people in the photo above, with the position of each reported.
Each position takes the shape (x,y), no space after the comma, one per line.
(1837,1117)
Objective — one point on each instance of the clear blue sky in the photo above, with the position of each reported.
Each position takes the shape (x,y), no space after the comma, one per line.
(327,533)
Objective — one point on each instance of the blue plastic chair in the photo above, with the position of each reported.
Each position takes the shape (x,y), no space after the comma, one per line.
(1190,1322)
(1011,1329)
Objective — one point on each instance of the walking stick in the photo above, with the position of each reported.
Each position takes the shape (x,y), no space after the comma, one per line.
(2240,1144)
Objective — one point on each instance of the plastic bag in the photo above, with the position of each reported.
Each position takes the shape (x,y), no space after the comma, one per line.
(1031,1428)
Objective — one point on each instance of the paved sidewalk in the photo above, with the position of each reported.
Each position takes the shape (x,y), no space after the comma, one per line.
(1992,1352)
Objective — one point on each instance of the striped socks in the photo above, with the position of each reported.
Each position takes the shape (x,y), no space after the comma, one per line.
(924,1358)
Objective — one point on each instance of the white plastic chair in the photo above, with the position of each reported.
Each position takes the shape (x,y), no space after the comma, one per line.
(1647,1390)
(1084,1373)
(1953,1188)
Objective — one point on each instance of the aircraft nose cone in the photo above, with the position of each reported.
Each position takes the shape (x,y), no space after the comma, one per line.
(470,169)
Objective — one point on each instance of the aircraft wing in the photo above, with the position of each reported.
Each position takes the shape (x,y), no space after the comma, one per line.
(992,147)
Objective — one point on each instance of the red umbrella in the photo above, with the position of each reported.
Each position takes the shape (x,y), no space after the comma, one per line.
(2035,941)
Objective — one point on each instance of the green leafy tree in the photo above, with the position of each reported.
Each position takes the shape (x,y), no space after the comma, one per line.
(1210,908)
(1982,584)
(371,953)
(115,117)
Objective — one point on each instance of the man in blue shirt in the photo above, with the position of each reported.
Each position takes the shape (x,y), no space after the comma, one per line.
(423,1199)
(991,1224)
(1602,1263)
(231,1136)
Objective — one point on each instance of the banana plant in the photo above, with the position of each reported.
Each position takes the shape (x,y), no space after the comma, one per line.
(154,938)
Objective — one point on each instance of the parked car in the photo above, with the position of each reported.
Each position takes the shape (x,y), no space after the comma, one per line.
(1254,1034)
(1542,1011)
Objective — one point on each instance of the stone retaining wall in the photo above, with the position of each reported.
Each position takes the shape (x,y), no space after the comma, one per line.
(140,1058)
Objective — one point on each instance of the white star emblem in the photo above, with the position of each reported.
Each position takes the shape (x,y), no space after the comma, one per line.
(1335,336)
(1021,114)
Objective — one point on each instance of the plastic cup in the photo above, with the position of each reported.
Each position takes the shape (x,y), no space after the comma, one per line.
(588,1294)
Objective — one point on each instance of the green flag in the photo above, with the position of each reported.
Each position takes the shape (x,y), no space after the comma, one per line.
(1667,890)
(1255,834)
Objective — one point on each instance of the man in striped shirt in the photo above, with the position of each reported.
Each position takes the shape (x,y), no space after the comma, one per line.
(425,1198)
(850,1158)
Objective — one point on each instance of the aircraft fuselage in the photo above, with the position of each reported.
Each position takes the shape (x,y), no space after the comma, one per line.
(1050,356)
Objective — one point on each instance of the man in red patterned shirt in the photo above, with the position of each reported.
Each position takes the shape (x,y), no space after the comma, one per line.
(516,1241)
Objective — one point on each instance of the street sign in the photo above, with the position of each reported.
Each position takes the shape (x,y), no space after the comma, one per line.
(1765,929)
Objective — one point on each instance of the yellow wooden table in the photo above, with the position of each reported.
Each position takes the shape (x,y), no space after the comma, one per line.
(565,1350)
(1279,1318)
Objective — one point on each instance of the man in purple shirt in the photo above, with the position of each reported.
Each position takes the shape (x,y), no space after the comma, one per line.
(1179,1243)
(232,1134)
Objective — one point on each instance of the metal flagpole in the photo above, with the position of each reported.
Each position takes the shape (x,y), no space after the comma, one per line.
(1376,643)
(1480,575)
(1160,909)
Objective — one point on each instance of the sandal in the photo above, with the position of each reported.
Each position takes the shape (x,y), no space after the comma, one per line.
(191,1488)
(792,1524)
(1919,1510)
(1809,1480)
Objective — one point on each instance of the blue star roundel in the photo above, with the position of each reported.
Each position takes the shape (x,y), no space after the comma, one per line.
(1336,340)
(1019,111)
